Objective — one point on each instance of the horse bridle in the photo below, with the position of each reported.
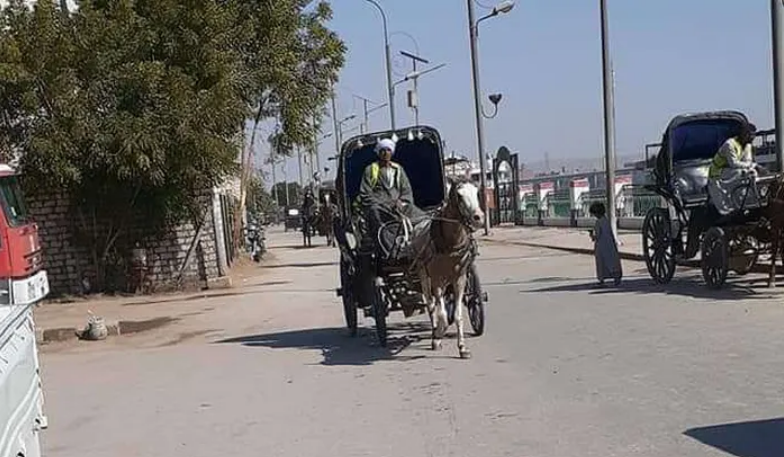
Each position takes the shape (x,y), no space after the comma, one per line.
(464,214)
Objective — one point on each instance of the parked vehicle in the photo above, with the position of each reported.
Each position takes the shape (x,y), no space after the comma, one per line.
(23,283)
(255,238)
(293,219)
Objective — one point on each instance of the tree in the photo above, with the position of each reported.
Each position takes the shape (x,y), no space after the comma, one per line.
(134,108)
(260,201)
(130,107)
(296,58)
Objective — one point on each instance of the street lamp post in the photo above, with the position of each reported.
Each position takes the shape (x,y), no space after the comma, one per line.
(390,87)
(473,30)
(340,127)
(777,20)
(609,118)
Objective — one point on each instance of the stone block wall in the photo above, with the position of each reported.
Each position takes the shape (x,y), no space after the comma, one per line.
(69,264)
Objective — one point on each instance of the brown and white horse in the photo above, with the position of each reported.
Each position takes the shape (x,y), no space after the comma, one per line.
(445,256)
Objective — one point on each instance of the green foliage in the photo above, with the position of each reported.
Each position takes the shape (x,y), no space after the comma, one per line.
(260,200)
(136,107)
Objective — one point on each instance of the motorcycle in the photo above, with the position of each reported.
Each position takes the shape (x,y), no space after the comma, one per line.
(256,242)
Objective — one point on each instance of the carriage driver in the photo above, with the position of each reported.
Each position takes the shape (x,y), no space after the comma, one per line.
(385,187)
(732,163)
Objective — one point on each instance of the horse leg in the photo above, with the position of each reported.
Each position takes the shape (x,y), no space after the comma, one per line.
(459,285)
(429,300)
(440,317)
(775,248)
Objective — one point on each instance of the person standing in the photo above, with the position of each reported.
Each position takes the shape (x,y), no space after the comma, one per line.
(608,261)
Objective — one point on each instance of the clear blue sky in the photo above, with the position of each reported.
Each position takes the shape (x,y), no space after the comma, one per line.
(670,56)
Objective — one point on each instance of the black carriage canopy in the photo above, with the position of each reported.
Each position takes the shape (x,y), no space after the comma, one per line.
(418,151)
(696,137)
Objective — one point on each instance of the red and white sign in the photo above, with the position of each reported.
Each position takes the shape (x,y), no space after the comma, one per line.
(543,190)
(577,187)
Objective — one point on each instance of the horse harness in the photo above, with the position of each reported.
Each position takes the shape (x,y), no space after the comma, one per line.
(464,254)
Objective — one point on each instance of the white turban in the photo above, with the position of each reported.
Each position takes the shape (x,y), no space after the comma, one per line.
(386,143)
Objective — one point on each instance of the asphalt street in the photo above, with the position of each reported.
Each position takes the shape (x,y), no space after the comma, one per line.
(564,369)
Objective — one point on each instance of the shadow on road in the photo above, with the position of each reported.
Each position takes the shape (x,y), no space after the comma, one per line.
(339,349)
(304,264)
(764,438)
(682,287)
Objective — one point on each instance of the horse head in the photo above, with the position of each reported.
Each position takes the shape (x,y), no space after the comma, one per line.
(463,198)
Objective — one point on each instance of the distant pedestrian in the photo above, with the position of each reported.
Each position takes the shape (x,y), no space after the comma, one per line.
(605,248)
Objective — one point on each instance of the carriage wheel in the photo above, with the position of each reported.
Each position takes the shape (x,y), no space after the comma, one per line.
(476,301)
(657,245)
(715,258)
(349,299)
(379,314)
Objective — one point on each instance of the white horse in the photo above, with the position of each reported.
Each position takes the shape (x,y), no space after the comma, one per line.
(445,256)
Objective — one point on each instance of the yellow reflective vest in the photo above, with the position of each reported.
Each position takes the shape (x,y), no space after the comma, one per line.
(720,162)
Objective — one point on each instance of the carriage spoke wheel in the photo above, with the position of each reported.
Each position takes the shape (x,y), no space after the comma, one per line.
(657,246)
(476,301)
(349,298)
(715,258)
(379,314)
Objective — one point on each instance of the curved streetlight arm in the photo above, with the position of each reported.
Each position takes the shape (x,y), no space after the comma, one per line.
(489,116)
(390,86)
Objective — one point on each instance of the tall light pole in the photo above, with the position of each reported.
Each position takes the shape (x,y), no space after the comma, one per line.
(473,31)
(777,28)
(340,126)
(390,87)
(365,110)
(334,126)
(609,118)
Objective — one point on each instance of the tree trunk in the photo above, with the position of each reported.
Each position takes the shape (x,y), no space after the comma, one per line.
(245,171)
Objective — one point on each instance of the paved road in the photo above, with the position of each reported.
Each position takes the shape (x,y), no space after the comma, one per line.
(564,370)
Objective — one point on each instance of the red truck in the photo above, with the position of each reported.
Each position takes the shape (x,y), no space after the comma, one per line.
(23,283)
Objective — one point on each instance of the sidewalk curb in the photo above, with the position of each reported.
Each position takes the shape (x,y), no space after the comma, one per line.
(695,264)
(119,328)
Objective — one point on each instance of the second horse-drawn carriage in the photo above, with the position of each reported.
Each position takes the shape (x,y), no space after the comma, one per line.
(377,271)
(688,223)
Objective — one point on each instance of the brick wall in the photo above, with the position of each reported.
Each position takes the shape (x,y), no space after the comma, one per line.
(68,263)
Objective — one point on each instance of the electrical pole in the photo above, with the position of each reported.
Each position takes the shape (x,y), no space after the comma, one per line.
(413,100)
(335,126)
(777,22)
(609,120)
(480,135)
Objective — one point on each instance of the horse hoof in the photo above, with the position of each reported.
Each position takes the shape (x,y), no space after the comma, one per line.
(435,345)
(440,329)
(465,354)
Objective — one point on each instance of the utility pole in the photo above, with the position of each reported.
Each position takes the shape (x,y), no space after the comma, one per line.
(480,134)
(335,126)
(299,163)
(413,100)
(777,22)
(609,120)
(363,127)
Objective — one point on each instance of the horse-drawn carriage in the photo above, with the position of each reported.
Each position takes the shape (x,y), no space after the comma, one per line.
(688,223)
(377,270)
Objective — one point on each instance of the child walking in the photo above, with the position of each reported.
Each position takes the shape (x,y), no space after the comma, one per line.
(605,248)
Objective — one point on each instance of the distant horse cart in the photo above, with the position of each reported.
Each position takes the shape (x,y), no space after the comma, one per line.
(409,264)
(689,224)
